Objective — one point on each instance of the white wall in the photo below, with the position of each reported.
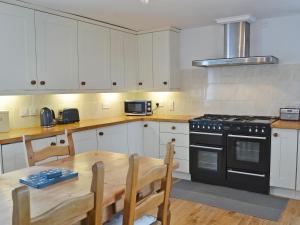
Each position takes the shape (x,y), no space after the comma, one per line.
(275,36)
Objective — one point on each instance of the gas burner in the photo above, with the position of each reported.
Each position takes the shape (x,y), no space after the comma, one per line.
(235,118)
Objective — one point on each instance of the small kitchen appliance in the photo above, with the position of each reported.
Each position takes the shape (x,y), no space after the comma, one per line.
(138,107)
(4,121)
(66,116)
(47,117)
(232,151)
(290,114)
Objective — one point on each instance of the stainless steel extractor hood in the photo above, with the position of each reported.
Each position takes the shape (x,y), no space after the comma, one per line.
(236,46)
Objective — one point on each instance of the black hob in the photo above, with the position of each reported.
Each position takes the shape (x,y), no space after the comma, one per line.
(219,123)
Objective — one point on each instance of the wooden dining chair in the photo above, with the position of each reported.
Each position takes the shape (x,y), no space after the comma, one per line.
(135,208)
(50,151)
(87,208)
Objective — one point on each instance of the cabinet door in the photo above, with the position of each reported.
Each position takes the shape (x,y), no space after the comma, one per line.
(135,138)
(161,60)
(94,56)
(151,139)
(298,165)
(166,60)
(56,48)
(85,141)
(283,158)
(43,143)
(13,157)
(117,59)
(17,44)
(113,138)
(145,45)
(131,61)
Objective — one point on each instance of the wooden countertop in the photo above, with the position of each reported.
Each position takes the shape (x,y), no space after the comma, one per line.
(15,135)
(283,124)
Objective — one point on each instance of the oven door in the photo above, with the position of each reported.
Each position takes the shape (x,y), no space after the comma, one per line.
(247,153)
(207,163)
(135,108)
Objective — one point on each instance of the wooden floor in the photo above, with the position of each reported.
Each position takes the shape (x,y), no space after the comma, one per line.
(189,213)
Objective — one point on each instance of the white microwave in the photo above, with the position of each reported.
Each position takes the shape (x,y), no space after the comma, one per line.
(138,107)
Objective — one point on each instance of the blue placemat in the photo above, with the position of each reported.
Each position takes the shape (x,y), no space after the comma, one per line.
(48,177)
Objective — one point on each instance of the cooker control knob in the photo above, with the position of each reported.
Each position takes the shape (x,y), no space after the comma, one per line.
(219,128)
(198,126)
(263,131)
(193,126)
(203,127)
(250,130)
(208,127)
(214,127)
(256,130)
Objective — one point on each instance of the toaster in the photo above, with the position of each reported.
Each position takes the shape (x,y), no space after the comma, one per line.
(290,114)
(68,116)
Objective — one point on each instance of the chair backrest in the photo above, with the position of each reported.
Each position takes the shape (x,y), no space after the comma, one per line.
(133,208)
(50,151)
(68,212)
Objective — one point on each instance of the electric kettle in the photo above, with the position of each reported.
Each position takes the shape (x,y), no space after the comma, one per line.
(47,117)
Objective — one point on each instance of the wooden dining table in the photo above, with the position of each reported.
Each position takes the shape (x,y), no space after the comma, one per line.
(116,166)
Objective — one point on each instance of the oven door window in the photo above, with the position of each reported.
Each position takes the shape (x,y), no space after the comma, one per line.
(208,161)
(247,151)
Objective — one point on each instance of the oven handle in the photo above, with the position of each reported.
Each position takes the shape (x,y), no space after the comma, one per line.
(244,173)
(249,137)
(206,147)
(204,133)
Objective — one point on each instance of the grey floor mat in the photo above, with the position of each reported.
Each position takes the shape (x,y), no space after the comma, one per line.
(253,204)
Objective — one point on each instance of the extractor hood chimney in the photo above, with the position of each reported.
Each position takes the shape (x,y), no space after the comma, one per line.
(236,45)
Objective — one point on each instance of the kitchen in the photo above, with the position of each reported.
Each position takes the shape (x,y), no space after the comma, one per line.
(97,66)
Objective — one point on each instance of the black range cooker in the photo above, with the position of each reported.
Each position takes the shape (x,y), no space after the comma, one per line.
(232,151)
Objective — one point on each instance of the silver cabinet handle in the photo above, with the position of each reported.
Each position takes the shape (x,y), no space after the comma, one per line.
(249,137)
(244,173)
(204,133)
(206,147)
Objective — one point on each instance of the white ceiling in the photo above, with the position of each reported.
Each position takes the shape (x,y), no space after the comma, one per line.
(178,13)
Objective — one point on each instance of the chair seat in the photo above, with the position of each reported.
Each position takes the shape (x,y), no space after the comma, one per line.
(145,220)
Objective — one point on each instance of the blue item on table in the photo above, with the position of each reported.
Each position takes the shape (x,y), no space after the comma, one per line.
(48,177)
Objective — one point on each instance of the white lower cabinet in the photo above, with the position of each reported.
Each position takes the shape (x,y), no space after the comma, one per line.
(43,143)
(178,134)
(298,167)
(113,138)
(151,139)
(13,157)
(284,158)
(85,141)
(181,155)
(135,138)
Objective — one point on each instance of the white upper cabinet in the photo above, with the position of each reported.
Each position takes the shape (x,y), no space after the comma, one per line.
(94,57)
(166,60)
(284,158)
(17,44)
(145,45)
(56,48)
(131,61)
(117,67)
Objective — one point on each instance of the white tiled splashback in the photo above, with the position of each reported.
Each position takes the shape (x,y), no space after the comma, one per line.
(250,90)
(90,105)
